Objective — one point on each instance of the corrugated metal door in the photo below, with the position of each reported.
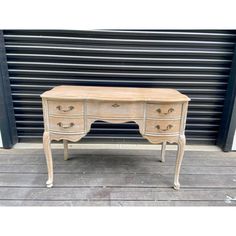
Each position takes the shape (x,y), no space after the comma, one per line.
(196,63)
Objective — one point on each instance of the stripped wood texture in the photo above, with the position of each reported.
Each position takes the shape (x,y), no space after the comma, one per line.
(69,112)
(114,93)
(117,178)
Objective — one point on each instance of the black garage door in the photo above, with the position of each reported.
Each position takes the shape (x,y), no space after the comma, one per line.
(196,63)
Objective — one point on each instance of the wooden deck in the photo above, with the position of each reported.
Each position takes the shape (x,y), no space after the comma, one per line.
(117,178)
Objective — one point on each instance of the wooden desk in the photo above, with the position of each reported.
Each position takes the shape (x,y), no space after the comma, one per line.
(69,112)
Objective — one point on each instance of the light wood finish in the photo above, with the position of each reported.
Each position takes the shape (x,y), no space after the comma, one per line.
(66,124)
(69,112)
(163,150)
(115,109)
(115,94)
(157,127)
(180,155)
(65,108)
(48,154)
(164,111)
(66,156)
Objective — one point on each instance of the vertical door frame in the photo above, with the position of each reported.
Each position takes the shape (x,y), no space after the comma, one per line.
(7,116)
(228,120)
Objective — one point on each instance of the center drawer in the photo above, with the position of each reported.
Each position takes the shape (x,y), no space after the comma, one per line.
(66,125)
(115,109)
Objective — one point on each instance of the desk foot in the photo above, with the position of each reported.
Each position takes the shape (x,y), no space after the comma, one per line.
(177,186)
(49,184)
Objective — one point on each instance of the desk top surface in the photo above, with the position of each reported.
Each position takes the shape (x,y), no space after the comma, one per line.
(115,93)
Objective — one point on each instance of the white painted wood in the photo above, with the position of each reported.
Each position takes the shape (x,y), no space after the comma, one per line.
(1,145)
(234,142)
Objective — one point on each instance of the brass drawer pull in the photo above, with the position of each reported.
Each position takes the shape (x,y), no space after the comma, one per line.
(115,105)
(165,113)
(64,110)
(167,128)
(65,126)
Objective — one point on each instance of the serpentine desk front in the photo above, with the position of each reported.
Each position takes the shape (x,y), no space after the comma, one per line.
(69,112)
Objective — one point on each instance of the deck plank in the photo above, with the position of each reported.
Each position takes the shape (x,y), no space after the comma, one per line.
(192,159)
(113,203)
(117,194)
(119,168)
(117,178)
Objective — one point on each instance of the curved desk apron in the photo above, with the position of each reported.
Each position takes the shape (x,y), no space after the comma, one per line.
(69,112)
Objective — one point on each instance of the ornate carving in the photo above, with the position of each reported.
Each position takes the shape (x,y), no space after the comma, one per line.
(161,139)
(143,106)
(68,137)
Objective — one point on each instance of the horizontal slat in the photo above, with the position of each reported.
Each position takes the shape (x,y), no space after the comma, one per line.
(21,82)
(43,38)
(195,62)
(129,33)
(15,64)
(90,73)
(121,49)
(41,57)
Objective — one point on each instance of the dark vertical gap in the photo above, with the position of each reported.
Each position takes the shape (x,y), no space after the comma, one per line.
(228,120)
(7,117)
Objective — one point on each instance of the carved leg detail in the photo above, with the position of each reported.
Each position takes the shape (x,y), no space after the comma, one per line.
(66,157)
(48,154)
(179,158)
(163,150)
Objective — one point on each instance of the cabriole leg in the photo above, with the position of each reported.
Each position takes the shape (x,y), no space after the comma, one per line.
(48,155)
(179,158)
(163,151)
(66,157)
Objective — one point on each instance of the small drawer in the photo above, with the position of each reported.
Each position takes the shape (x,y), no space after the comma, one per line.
(65,108)
(115,109)
(66,125)
(162,126)
(164,110)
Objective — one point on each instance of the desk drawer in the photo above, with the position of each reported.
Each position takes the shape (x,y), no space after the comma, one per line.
(66,125)
(162,126)
(115,109)
(164,110)
(65,107)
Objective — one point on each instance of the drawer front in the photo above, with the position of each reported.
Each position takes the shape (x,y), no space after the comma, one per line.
(162,126)
(164,110)
(66,125)
(115,109)
(65,108)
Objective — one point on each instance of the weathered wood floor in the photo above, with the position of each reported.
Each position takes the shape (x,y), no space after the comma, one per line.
(117,178)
